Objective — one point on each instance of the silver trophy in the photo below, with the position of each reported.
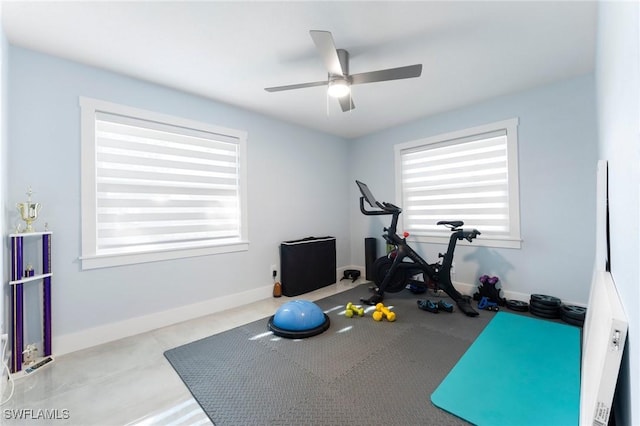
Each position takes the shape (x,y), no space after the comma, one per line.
(29,211)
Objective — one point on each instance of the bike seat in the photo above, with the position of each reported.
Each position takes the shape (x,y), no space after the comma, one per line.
(451,223)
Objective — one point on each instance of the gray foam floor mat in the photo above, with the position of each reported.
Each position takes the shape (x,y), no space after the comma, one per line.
(359,370)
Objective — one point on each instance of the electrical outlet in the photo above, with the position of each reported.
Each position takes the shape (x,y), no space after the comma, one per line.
(272,269)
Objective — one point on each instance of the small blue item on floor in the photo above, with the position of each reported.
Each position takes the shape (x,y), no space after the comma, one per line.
(417,287)
(444,306)
(299,319)
(486,303)
(428,305)
(520,370)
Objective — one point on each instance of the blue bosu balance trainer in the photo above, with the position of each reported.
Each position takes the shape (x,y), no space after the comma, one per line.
(298,319)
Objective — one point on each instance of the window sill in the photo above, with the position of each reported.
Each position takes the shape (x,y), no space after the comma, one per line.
(480,241)
(107,261)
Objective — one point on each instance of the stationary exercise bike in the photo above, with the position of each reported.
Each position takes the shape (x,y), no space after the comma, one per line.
(391,273)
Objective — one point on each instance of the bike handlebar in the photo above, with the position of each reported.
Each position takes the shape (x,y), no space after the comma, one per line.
(385,208)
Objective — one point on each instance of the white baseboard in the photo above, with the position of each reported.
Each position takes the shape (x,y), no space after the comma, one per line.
(83,339)
(470,289)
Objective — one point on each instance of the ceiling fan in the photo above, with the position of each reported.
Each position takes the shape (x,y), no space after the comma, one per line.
(339,80)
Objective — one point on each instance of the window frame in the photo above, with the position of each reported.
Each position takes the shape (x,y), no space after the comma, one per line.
(510,126)
(89,258)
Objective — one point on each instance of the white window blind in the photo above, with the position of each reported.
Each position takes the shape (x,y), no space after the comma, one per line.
(160,187)
(464,176)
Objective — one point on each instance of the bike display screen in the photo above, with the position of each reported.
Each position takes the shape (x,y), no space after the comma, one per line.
(366,193)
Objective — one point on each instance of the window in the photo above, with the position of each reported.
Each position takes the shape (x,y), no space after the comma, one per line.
(156,187)
(469,175)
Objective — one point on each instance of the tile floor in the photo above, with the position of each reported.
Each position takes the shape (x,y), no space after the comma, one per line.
(129,381)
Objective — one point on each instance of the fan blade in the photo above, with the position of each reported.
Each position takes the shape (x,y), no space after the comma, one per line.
(327,48)
(346,102)
(389,74)
(296,86)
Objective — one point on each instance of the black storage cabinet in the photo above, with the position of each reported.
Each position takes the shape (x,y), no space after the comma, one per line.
(307,264)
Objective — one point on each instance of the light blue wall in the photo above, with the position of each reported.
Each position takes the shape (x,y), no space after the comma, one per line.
(557,171)
(4,262)
(296,189)
(618,94)
(301,183)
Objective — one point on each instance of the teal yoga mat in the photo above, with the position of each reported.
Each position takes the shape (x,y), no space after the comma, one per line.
(519,371)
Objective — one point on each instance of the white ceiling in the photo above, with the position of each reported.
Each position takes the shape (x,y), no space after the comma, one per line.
(231,51)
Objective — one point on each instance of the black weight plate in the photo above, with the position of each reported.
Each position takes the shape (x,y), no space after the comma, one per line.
(572,321)
(546,300)
(544,314)
(534,302)
(517,305)
(539,307)
(544,307)
(575,312)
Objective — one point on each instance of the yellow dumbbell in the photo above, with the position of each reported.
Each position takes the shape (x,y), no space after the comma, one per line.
(354,310)
(383,312)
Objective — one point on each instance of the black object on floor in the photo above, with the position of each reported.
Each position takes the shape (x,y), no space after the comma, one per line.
(488,289)
(465,306)
(573,315)
(307,264)
(544,306)
(517,305)
(370,256)
(350,274)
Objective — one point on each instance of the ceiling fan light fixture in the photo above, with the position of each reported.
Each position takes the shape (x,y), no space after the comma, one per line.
(339,81)
(338,88)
